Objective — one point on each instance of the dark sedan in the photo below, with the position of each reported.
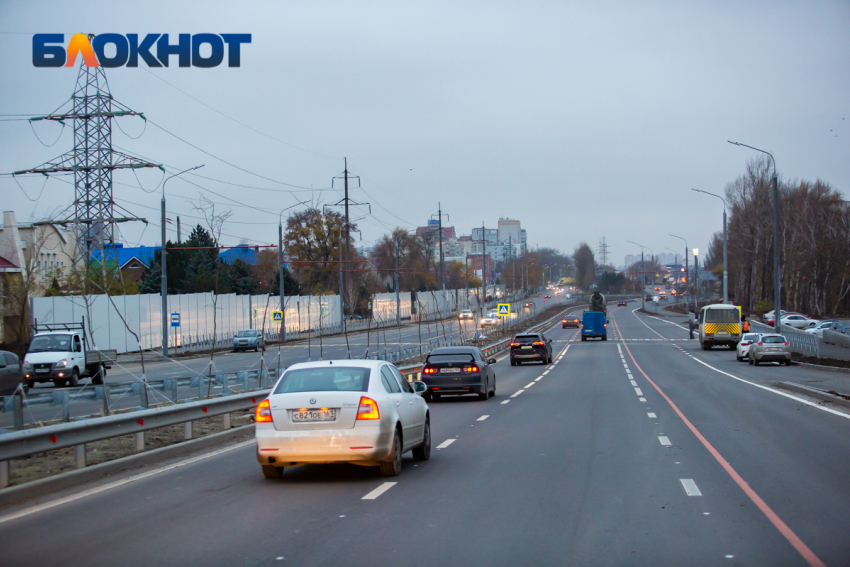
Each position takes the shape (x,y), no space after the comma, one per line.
(457,371)
(570,321)
(531,347)
(10,373)
(621,303)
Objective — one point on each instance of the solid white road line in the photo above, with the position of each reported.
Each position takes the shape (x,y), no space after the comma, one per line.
(380,490)
(517,393)
(777,392)
(117,483)
(690,487)
(445,443)
(645,325)
(482,418)
(652,415)
(638,392)
(661,439)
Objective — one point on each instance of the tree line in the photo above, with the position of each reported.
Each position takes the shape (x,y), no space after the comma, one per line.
(814,244)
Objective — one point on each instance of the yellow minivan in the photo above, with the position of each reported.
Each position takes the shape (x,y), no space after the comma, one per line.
(720,325)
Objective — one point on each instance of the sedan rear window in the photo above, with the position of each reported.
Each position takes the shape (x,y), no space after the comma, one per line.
(324,379)
(773,340)
(444,358)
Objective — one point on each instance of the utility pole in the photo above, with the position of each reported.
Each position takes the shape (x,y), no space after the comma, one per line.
(483,267)
(341,300)
(513,269)
(442,256)
(397,300)
(280,275)
(466,277)
(179,241)
(346,202)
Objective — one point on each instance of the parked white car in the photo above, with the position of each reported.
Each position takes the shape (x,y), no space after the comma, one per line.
(798,321)
(744,345)
(342,411)
(820,328)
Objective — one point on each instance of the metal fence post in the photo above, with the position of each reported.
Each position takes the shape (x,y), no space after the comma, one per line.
(19,412)
(66,406)
(80,452)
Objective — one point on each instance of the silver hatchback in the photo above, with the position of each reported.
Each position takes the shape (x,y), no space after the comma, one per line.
(770,348)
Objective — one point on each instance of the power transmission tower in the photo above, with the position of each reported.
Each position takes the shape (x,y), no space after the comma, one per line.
(92,162)
(346,202)
(603,251)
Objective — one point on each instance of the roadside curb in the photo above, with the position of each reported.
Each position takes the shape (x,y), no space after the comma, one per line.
(22,493)
(814,393)
(823,367)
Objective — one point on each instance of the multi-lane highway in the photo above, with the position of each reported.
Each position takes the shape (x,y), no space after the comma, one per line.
(642,450)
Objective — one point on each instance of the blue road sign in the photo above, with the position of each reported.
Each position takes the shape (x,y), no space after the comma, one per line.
(175,319)
(277,316)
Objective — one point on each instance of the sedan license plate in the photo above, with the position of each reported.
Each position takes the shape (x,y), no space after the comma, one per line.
(449,370)
(314,415)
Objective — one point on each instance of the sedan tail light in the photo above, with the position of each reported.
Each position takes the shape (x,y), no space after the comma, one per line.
(787,343)
(564,321)
(368,409)
(760,343)
(514,344)
(429,370)
(472,368)
(263,413)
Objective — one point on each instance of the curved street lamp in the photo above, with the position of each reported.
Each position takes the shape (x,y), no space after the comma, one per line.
(162,261)
(776,281)
(725,272)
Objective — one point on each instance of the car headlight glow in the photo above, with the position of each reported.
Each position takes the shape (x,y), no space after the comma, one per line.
(62,363)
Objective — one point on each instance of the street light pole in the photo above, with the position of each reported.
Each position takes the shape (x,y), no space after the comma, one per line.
(776,280)
(687,270)
(643,278)
(725,272)
(163,260)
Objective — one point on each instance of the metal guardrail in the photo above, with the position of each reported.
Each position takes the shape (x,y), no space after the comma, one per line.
(76,434)
(801,343)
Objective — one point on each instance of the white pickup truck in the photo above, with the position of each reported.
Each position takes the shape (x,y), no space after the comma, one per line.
(58,353)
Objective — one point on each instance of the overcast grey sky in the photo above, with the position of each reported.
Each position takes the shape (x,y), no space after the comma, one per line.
(582,120)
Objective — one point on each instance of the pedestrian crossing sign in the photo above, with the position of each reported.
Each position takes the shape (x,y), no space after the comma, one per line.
(277,316)
(504,309)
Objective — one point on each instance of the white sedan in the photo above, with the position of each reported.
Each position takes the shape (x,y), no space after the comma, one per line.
(342,411)
(798,321)
(465,314)
(744,345)
(819,328)
(491,320)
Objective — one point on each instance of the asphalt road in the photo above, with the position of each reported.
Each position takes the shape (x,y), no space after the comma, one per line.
(695,463)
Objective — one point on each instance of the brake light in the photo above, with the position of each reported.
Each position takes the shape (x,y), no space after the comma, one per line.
(537,343)
(429,371)
(760,343)
(263,413)
(564,321)
(470,369)
(368,409)
(787,343)
(514,344)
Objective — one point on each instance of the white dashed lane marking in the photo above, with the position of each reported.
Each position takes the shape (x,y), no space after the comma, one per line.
(505,402)
(529,385)
(381,489)
(661,439)
(445,443)
(642,399)
(482,418)
(633,382)
(517,393)
(690,487)
(651,415)
(638,392)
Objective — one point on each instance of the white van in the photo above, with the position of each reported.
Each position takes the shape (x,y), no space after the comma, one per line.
(719,324)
